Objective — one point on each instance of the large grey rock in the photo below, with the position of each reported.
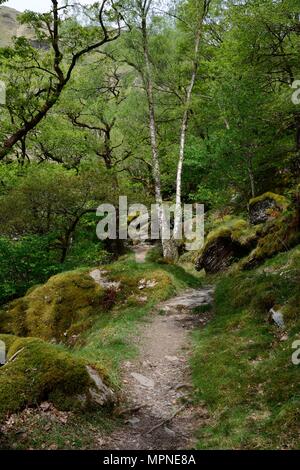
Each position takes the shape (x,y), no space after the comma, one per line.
(99,278)
(100,393)
(191,298)
(258,213)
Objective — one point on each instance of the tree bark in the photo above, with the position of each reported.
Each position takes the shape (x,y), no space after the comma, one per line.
(251,176)
(167,245)
(185,118)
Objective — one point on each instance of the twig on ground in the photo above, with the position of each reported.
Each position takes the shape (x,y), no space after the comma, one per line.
(13,357)
(167,420)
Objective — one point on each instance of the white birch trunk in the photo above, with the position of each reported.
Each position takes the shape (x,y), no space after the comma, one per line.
(166,244)
(184,123)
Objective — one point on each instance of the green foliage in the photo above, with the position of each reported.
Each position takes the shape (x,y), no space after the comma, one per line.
(42,209)
(24,263)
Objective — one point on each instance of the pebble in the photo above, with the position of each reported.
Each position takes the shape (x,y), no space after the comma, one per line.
(133,421)
(144,381)
(172,358)
(169,431)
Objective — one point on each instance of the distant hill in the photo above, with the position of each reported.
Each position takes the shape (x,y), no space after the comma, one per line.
(9,26)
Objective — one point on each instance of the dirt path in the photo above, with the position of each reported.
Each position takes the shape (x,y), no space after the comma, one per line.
(157,385)
(141,250)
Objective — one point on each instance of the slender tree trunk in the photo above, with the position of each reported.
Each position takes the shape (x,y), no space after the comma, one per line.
(66,241)
(168,249)
(297,131)
(251,176)
(295,166)
(184,121)
(152,121)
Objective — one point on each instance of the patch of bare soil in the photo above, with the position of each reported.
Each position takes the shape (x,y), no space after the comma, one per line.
(141,250)
(159,411)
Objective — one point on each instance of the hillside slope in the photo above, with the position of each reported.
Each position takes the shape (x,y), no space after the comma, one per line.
(10,27)
(244,362)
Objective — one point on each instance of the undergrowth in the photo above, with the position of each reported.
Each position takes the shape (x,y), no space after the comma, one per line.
(242,365)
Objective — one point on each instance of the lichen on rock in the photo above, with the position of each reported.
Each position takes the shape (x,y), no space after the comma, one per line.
(276,236)
(266,207)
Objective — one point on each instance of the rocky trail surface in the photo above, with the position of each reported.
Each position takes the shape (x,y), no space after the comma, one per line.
(159,413)
(141,250)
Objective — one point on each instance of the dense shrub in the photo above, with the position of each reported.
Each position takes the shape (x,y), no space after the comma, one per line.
(23,263)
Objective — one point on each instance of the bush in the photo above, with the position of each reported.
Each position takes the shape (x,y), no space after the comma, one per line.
(24,263)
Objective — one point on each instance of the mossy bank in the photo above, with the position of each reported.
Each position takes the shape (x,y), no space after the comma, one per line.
(242,365)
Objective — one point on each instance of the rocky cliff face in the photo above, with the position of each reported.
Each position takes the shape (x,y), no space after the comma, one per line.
(10,27)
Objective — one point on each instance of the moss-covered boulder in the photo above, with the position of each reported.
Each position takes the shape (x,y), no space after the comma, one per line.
(56,311)
(276,236)
(36,371)
(266,207)
(226,244)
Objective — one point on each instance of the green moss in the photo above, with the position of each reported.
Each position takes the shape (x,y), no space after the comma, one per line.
(64,306)
(276,236)
(8,340)
(40,371)
(281,201)
(241,368)
(236,235)
(236,229)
